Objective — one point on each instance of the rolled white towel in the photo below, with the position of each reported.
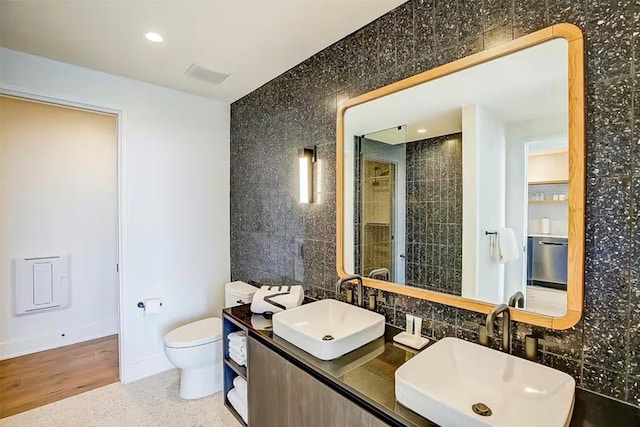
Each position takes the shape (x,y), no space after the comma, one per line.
(237,347)
(241,385)
(273,299)
(238,358)
(238,404)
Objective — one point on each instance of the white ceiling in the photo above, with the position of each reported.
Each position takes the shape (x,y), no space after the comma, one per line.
(524,86)
(253,40)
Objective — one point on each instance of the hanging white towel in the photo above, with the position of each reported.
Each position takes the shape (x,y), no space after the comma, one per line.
(238,404)
(506,246)
(241,385)
(273,299)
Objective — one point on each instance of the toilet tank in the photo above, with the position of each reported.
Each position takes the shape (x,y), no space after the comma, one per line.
(238,293)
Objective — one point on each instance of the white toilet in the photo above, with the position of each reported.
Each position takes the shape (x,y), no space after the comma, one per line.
(196,348)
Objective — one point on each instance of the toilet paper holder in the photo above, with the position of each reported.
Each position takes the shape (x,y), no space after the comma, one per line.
(141,304)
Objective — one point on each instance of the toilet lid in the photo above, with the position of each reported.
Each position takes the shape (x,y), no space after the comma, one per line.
(196,333)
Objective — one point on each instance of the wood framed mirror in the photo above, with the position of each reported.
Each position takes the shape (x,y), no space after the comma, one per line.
(465,184)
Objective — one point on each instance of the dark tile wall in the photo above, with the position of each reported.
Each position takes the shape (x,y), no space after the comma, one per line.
(298,109)
(434,214)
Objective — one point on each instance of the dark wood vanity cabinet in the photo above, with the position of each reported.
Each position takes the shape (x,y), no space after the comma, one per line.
(283,395)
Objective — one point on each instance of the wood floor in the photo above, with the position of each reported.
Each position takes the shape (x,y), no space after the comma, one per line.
(27,382)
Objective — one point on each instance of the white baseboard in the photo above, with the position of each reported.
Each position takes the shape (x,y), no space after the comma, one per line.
(145,368)
(54,339)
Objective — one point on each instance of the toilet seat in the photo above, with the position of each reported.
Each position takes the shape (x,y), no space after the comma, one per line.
(194,334)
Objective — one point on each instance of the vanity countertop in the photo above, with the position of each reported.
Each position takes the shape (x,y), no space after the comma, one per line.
(366,376)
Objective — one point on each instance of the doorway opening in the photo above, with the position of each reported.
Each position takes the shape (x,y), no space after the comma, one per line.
(59,225)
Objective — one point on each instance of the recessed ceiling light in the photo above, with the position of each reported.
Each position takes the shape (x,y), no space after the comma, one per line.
(153,37)
(421,130)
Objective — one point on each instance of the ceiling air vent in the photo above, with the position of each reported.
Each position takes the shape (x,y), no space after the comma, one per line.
(199,72)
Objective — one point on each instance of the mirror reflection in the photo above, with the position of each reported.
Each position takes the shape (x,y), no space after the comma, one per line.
(460,185)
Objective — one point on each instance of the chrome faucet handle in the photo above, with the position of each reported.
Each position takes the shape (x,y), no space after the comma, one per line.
(349,296)
(483,338)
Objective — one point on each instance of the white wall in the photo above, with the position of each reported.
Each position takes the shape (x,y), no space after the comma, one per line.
(549,167)
(483,193)
(174,196)
(516,203)
(490,202)
(517,136)
(59,196)
(470,233)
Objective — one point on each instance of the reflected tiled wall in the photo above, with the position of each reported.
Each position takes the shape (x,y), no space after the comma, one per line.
(434,214)
(298,109)
(377,249)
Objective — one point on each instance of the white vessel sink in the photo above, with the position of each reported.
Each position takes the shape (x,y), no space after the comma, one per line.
(328,329)
(443,382)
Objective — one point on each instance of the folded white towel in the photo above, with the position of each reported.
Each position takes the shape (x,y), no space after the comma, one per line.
(237,336)
(238,404)
(507,248)
(237,353)
(238,341)
(237,347)
(273,299)
(241,385)
(238,358)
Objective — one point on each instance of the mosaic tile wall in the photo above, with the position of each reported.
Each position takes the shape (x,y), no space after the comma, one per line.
(434,214)
(270,231)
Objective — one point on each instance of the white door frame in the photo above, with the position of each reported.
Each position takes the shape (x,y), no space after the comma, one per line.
(120,114)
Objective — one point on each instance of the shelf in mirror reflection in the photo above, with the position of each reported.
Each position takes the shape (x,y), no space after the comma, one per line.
(548,201)
(549,182)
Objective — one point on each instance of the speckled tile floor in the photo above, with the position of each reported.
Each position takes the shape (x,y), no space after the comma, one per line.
(150,402)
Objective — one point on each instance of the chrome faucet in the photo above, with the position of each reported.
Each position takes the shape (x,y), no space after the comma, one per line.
(517,300)
(383,272)
(347,279)
(506,325)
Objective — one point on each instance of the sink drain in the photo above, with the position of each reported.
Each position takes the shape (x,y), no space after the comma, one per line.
(481,409)
(327,338)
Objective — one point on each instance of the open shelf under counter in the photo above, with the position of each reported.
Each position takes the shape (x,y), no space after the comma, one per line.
(240,370)
(548,201)
(233,411)
(230,368)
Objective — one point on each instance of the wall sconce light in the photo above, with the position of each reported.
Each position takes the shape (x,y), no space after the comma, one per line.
(306,159)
